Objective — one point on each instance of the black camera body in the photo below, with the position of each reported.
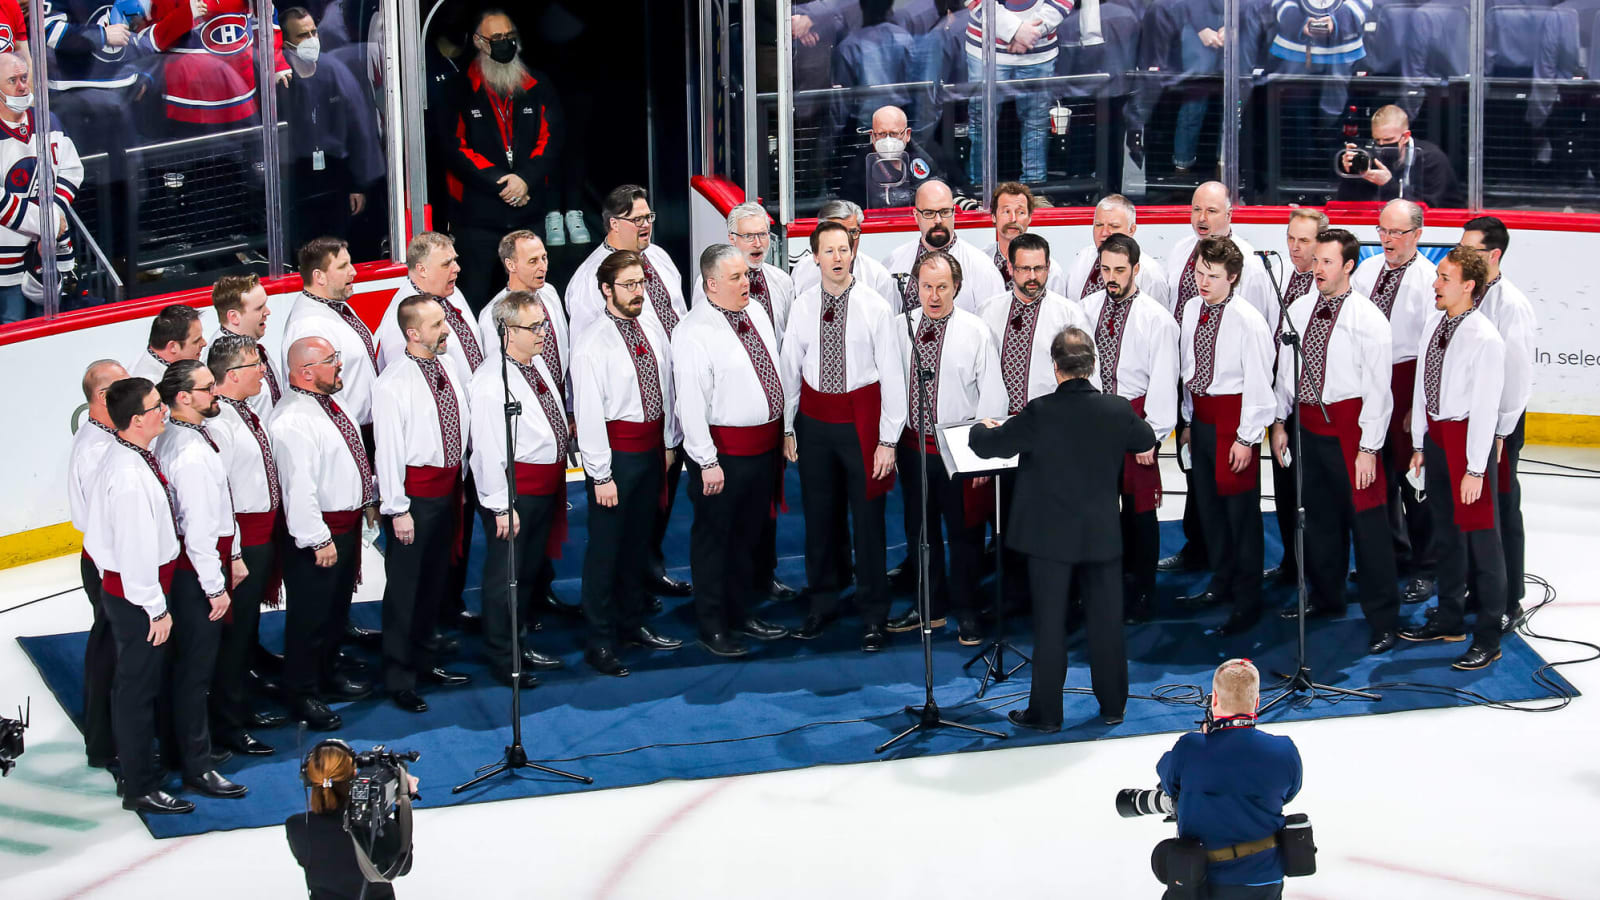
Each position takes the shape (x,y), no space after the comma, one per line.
(11,745)
(1362,156)
(376,789)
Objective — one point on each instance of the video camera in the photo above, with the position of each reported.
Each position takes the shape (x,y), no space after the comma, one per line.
(377,789)
(11,738)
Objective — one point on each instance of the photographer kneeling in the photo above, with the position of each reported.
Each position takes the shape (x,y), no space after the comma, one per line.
(328,841)
(1230,783)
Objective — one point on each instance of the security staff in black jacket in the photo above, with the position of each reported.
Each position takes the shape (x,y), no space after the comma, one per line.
(1071,444)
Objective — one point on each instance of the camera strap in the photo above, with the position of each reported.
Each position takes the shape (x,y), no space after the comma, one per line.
(1244,721)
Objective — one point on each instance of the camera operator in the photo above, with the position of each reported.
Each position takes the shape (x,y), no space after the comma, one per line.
(319,840)
(1400,166)
(1230,782)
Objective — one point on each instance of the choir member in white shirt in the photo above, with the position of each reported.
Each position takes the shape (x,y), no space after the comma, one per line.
(174,334)
(241,305)
(207,567)
(1012,211)
(95,435)
(1400,283)
(527,265)
(323,310)
(1508,309)
(132,537)
(1298,282)
(936,221)
(807,271)
(1114,214)
(1455,415)
(627,423)
(845,390)
(431,268)
(731,402)
(1346,369)
(326,477)
(1211,215)
(1136,340)
(240,370)
(541,439)
(420,419)
(955,354)
(1227,358)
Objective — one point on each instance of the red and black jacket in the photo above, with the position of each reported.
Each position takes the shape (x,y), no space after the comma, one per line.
(477,150)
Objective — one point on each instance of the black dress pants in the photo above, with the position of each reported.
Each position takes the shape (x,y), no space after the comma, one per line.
(833,479)
(1141,549)
(958,592)
(658,531)
(134,692)
(1463,553)
(99,673)
(1232,526)
(1017,595)
(1513,537)
(451,605)
(1098,584)
(191,663)
(616,559)
(725,540)
(417,575)
(1331,519)
(1410,521)
(230,696)
(1194,530)
(537,516)
(316,612)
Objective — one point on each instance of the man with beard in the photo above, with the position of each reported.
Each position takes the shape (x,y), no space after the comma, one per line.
(174,334)
(241,305)
(1114,214)
(509,133)
(866,270)
(1012,211)
(1136,340)
(936,220)
(420,419)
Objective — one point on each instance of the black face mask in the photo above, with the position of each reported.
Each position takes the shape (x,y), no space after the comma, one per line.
(1389,155)
(503,50)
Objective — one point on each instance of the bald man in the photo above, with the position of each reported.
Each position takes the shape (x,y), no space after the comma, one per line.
(890,173)
(95,435)
(935,212)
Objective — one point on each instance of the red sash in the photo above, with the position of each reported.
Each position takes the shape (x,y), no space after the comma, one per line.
(1402,381)
(1346,426)
(441,481)
(860,408)
(977,501)
(754,440)
(260,528)
(1221,412)
(1452,439)
(1142,482)
(1503,465)
(224,553)
(344,521)
(111,582)
(542,480)
(639,437)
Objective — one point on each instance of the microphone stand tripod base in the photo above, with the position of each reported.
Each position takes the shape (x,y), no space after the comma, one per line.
(994,655)
(927,719)
(515,758)
(1300,682)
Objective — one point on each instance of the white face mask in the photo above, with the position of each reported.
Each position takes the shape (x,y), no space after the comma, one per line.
(19,104)
(309,49)
(890,147)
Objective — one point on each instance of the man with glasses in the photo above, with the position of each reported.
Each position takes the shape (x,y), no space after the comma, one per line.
(894,166)
(174,334)
(241,305)
(327,484)
(808,271)
(1400,283)
(1403,167)
(936,223)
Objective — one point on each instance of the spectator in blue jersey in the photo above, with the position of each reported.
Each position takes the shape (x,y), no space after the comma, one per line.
(1024,35)
(93,72)
(1321,37)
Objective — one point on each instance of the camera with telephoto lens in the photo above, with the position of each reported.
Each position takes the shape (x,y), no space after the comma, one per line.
(1132,802)
(1362,155)
(11,731)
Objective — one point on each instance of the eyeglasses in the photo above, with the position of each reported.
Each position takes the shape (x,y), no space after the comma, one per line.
(1393,232)
(754,237)
(159,405)
(1030,270)
(503,36)
(629,285)
(208,389)
(929,215)
(536,327)
(337,357)
(638,221)
(258,364)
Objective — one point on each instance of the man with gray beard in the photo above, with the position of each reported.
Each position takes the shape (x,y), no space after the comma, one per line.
(505,140)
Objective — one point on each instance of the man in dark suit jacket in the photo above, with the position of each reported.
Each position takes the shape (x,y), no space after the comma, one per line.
(1071,445)
(1405,167)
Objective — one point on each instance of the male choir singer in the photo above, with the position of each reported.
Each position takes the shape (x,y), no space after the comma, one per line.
(1114,214)
(936,223)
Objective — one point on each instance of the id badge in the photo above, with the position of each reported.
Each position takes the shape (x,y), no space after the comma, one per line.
(318,161)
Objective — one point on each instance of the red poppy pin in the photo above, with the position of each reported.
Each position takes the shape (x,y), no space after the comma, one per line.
(827,314)
(1324,313)
(743,327)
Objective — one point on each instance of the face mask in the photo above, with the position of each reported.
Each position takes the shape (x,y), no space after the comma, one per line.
(890,147)
(19,104)
(503,50)
(1389,155)
(309,49)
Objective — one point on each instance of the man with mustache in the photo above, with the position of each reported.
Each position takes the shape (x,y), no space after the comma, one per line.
(867,270)
(1114,214)
(510,131)
(935,212)
(1012,211)
(420,420)
(1136,340)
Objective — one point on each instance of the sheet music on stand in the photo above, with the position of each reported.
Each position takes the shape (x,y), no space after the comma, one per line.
(957,453)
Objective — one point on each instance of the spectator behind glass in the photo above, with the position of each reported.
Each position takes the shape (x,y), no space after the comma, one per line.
(877,53)
(1024,34)
(318,840)
(894,166)
(332,151)
(209,73)
(19,148)
(1403,166)
(1319,37)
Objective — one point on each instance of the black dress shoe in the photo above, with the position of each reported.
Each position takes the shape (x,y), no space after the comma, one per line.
(469,622)
(158,803)
(1431,630)
(1476,657)
(243,743)
(1383,643)
(1024,718)
(1280,576)
(1511,619)
(1111,718)
(410,701)
(723,644)
(1312,612)
(342,687)
(903,578)
(1197,601)
(316,714)
(666,586)
(1139,610)
(874,639)
(650,639)
(760,629)
(365,637)
(268,720)
(652,605)
(911,620)
(1182,561)
(264,684)
(1416,590)
(445,677)
(811,629)
(781,592)
(533,659)
(605,662)
(968,632)
(344,661)
(1237,623)
(444,644)
(212,784)
(558,606)
(528,679)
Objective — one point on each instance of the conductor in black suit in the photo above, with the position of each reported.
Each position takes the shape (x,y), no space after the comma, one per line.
(1071,444)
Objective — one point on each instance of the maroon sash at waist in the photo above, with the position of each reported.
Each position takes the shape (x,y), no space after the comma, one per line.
(1345,425)
(634,437)
(1451,436)
(1221,412)
(259,528)
(111,582)
(542,480)
(977,500)
(1140,481)
(224,553)
(342,521)
(432,481)
(860,408)
(1402,381)
(747,440)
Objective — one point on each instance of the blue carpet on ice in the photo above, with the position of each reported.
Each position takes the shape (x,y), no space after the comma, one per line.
(590,724)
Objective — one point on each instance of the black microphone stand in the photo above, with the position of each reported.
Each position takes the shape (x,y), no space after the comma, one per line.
(926,715)
(515,756)
(1300,681)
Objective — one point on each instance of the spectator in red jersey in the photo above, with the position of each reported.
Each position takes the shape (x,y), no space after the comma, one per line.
(13,28)
(210,70)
